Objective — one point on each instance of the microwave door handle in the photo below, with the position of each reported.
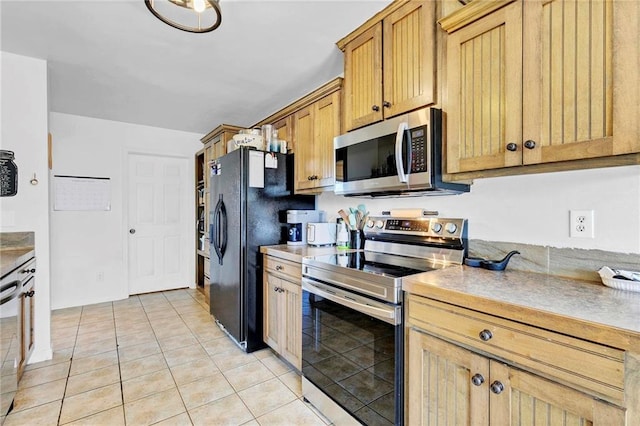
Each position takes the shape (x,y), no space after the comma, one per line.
(402,129)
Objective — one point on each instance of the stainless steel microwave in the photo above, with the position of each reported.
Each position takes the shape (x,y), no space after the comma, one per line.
(398,156)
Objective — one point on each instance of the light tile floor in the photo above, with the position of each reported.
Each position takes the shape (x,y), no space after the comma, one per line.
(155,359)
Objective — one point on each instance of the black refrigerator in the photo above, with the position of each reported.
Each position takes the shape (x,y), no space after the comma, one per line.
(250,193)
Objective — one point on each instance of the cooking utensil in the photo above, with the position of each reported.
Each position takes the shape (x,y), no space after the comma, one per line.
(345,217)
(493,265)
(352,221)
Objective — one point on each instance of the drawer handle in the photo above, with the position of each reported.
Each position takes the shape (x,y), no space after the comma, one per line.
(477,379)
(279,268)
(497,387)
(485,335)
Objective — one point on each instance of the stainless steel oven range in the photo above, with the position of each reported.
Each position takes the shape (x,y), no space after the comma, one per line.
(352,318)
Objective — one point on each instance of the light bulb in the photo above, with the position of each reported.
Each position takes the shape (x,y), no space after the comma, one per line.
(199,6)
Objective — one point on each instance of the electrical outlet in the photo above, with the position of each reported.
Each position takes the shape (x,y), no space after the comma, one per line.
(581,224)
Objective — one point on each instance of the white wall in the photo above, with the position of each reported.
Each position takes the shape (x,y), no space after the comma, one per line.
(534,209)
(88,249)
(24,131)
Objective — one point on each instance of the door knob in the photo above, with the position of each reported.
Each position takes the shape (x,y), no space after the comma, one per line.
(485,335)
(132,231)
(477,379)
(497,387)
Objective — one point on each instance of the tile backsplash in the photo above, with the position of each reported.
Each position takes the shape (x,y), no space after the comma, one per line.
(566,262)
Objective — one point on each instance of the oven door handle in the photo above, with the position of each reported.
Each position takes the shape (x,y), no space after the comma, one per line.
(389,315)
(402,129)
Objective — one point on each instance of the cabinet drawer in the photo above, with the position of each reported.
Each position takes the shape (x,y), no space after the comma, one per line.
(284,267)
(573,361)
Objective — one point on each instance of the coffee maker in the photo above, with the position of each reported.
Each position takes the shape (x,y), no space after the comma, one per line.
(297,225)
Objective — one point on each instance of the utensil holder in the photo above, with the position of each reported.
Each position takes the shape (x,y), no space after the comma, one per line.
(356,239)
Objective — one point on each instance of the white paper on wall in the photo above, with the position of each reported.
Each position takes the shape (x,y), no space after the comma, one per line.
(81,193)
(256,169)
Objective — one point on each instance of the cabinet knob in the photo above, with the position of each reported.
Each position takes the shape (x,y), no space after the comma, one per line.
(529,144)
(497,387)
(29,271)
(485,335)
(29,293)
(386,104)
(279,268)
(512,147)
(132,231)
(477,379)
(375,108)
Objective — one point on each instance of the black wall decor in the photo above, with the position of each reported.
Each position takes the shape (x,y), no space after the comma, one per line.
(8,174)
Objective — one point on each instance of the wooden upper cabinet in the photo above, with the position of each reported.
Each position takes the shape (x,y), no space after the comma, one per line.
(304,158)
(363,79)
(215,142)
(285,131)
(535,82)
(390,63)
(314,129)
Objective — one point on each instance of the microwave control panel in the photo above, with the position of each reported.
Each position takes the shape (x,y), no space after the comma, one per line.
(418,150)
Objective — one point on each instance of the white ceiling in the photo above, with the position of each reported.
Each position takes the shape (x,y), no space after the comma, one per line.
(112,59)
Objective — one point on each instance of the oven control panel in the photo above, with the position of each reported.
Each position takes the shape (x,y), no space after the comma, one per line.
(428,227)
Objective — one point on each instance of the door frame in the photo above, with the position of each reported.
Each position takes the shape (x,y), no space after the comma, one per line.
(187,225)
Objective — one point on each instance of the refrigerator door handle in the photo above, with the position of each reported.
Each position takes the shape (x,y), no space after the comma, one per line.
(216,230)
(225,233)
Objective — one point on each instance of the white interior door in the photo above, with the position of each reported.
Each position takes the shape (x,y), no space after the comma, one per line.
(158,223)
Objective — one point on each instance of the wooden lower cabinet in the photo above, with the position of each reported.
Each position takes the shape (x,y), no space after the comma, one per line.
(282,311)
(448,384)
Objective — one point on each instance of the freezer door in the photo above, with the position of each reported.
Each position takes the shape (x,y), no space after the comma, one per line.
(227,288)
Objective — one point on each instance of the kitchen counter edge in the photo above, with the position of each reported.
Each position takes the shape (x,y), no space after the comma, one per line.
(296,253)
(584,309)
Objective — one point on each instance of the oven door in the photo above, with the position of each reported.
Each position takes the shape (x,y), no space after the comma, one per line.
(352,353)
(393,155)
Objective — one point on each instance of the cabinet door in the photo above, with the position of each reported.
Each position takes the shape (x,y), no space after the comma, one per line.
(484,80)
(271,311)
(440,379)
(285,131)
(291,309)
(304,158)
(363,79)
(527,399)
(327,126)
(409,58)
(219,148)
(568,80)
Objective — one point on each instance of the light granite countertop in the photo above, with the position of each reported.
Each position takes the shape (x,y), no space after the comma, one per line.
(296,253)
(10,259)
(584,309)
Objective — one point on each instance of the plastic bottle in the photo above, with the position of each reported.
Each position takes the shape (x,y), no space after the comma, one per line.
(342,235)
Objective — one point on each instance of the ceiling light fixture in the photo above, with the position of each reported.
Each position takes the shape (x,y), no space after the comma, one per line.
(194,16)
